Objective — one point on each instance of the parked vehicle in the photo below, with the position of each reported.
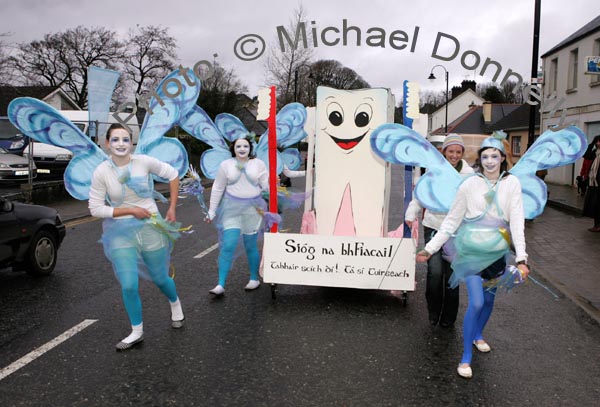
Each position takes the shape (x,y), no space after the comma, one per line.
(11,138)
(49,160)
(31,236)
(14,167)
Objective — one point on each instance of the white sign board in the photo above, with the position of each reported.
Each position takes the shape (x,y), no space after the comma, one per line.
(339,261)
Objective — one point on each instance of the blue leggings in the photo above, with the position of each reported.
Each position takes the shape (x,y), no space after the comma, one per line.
(125,263)
(481,304)
(228,245)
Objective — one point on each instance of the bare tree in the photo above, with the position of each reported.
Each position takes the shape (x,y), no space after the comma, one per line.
(219,92)
(329,72)
(431,100)
(62,59)
(284,63)
(510,94)
(149,57)
(332,73)
(5,65)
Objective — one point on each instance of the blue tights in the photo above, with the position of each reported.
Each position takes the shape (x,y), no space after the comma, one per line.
(125,263)
(481,304)
(228,245)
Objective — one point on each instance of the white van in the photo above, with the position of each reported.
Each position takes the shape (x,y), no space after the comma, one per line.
(52,160)
(81,119)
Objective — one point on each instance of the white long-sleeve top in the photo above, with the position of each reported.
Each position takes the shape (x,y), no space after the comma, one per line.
(432,219)
(105,183)
(470,203)
(293,174)
(249,184)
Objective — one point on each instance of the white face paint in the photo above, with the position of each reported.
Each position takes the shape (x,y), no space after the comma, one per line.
(241,148)
(119,143)
(491,159)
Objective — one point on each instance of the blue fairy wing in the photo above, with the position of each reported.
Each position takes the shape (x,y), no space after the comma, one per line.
(399,144)
(45,124)
(211,160)
(290,124)
(230,127)
(551,149)
(176,99)
(197,123)
(291,158)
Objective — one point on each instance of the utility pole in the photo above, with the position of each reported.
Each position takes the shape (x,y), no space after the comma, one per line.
(534,72)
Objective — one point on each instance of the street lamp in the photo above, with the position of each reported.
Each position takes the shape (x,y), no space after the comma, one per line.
(432,78)
(310,76)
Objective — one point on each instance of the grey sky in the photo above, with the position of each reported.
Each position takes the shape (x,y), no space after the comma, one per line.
(499,29)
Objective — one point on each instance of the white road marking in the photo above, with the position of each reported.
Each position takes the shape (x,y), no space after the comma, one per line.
(205,252)
(81,221)
(31,356)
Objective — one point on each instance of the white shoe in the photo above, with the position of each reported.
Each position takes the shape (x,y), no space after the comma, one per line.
(218,291)
(482,346)
(464,370)
(252,285)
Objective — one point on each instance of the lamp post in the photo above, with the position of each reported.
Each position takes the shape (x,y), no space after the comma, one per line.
(310,76)
(432,78)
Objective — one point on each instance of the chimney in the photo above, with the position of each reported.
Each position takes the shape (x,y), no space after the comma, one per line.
(466,84)
(455,91)
(487,112)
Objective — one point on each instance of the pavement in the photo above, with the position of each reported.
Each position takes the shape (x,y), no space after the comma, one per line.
(564,256)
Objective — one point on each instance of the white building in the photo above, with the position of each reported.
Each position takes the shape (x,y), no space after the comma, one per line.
(457,106)
(571,95)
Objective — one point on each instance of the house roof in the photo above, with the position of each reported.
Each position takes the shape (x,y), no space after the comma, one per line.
(518,119)
(590,28)
(472,121)
(8,93)
(466,94)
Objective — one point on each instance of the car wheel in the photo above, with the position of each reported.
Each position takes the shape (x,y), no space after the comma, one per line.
(42,254)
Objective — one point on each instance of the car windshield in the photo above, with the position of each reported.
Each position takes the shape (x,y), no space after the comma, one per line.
(7,130)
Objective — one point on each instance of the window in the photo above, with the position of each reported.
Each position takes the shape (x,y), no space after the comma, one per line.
(573,70)
(553,76)
(516,145)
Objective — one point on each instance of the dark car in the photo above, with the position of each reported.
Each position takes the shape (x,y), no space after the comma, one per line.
(30,237)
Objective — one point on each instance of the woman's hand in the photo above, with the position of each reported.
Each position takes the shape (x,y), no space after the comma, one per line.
(171,215)
(408,223)
(423,256)
(524,270)
(140,213)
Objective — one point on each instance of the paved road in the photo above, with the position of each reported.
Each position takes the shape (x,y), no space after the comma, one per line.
(311,346)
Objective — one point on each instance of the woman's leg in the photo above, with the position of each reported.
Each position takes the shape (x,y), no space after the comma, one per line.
(451,298)
(228,245)
(486,312)
(434,289)
(470,326)
(157,262)
(125,266)
(251,246)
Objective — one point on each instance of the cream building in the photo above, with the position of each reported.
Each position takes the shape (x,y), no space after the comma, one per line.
(570,96)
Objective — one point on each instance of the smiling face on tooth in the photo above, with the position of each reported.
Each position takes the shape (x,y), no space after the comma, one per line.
(347,121)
